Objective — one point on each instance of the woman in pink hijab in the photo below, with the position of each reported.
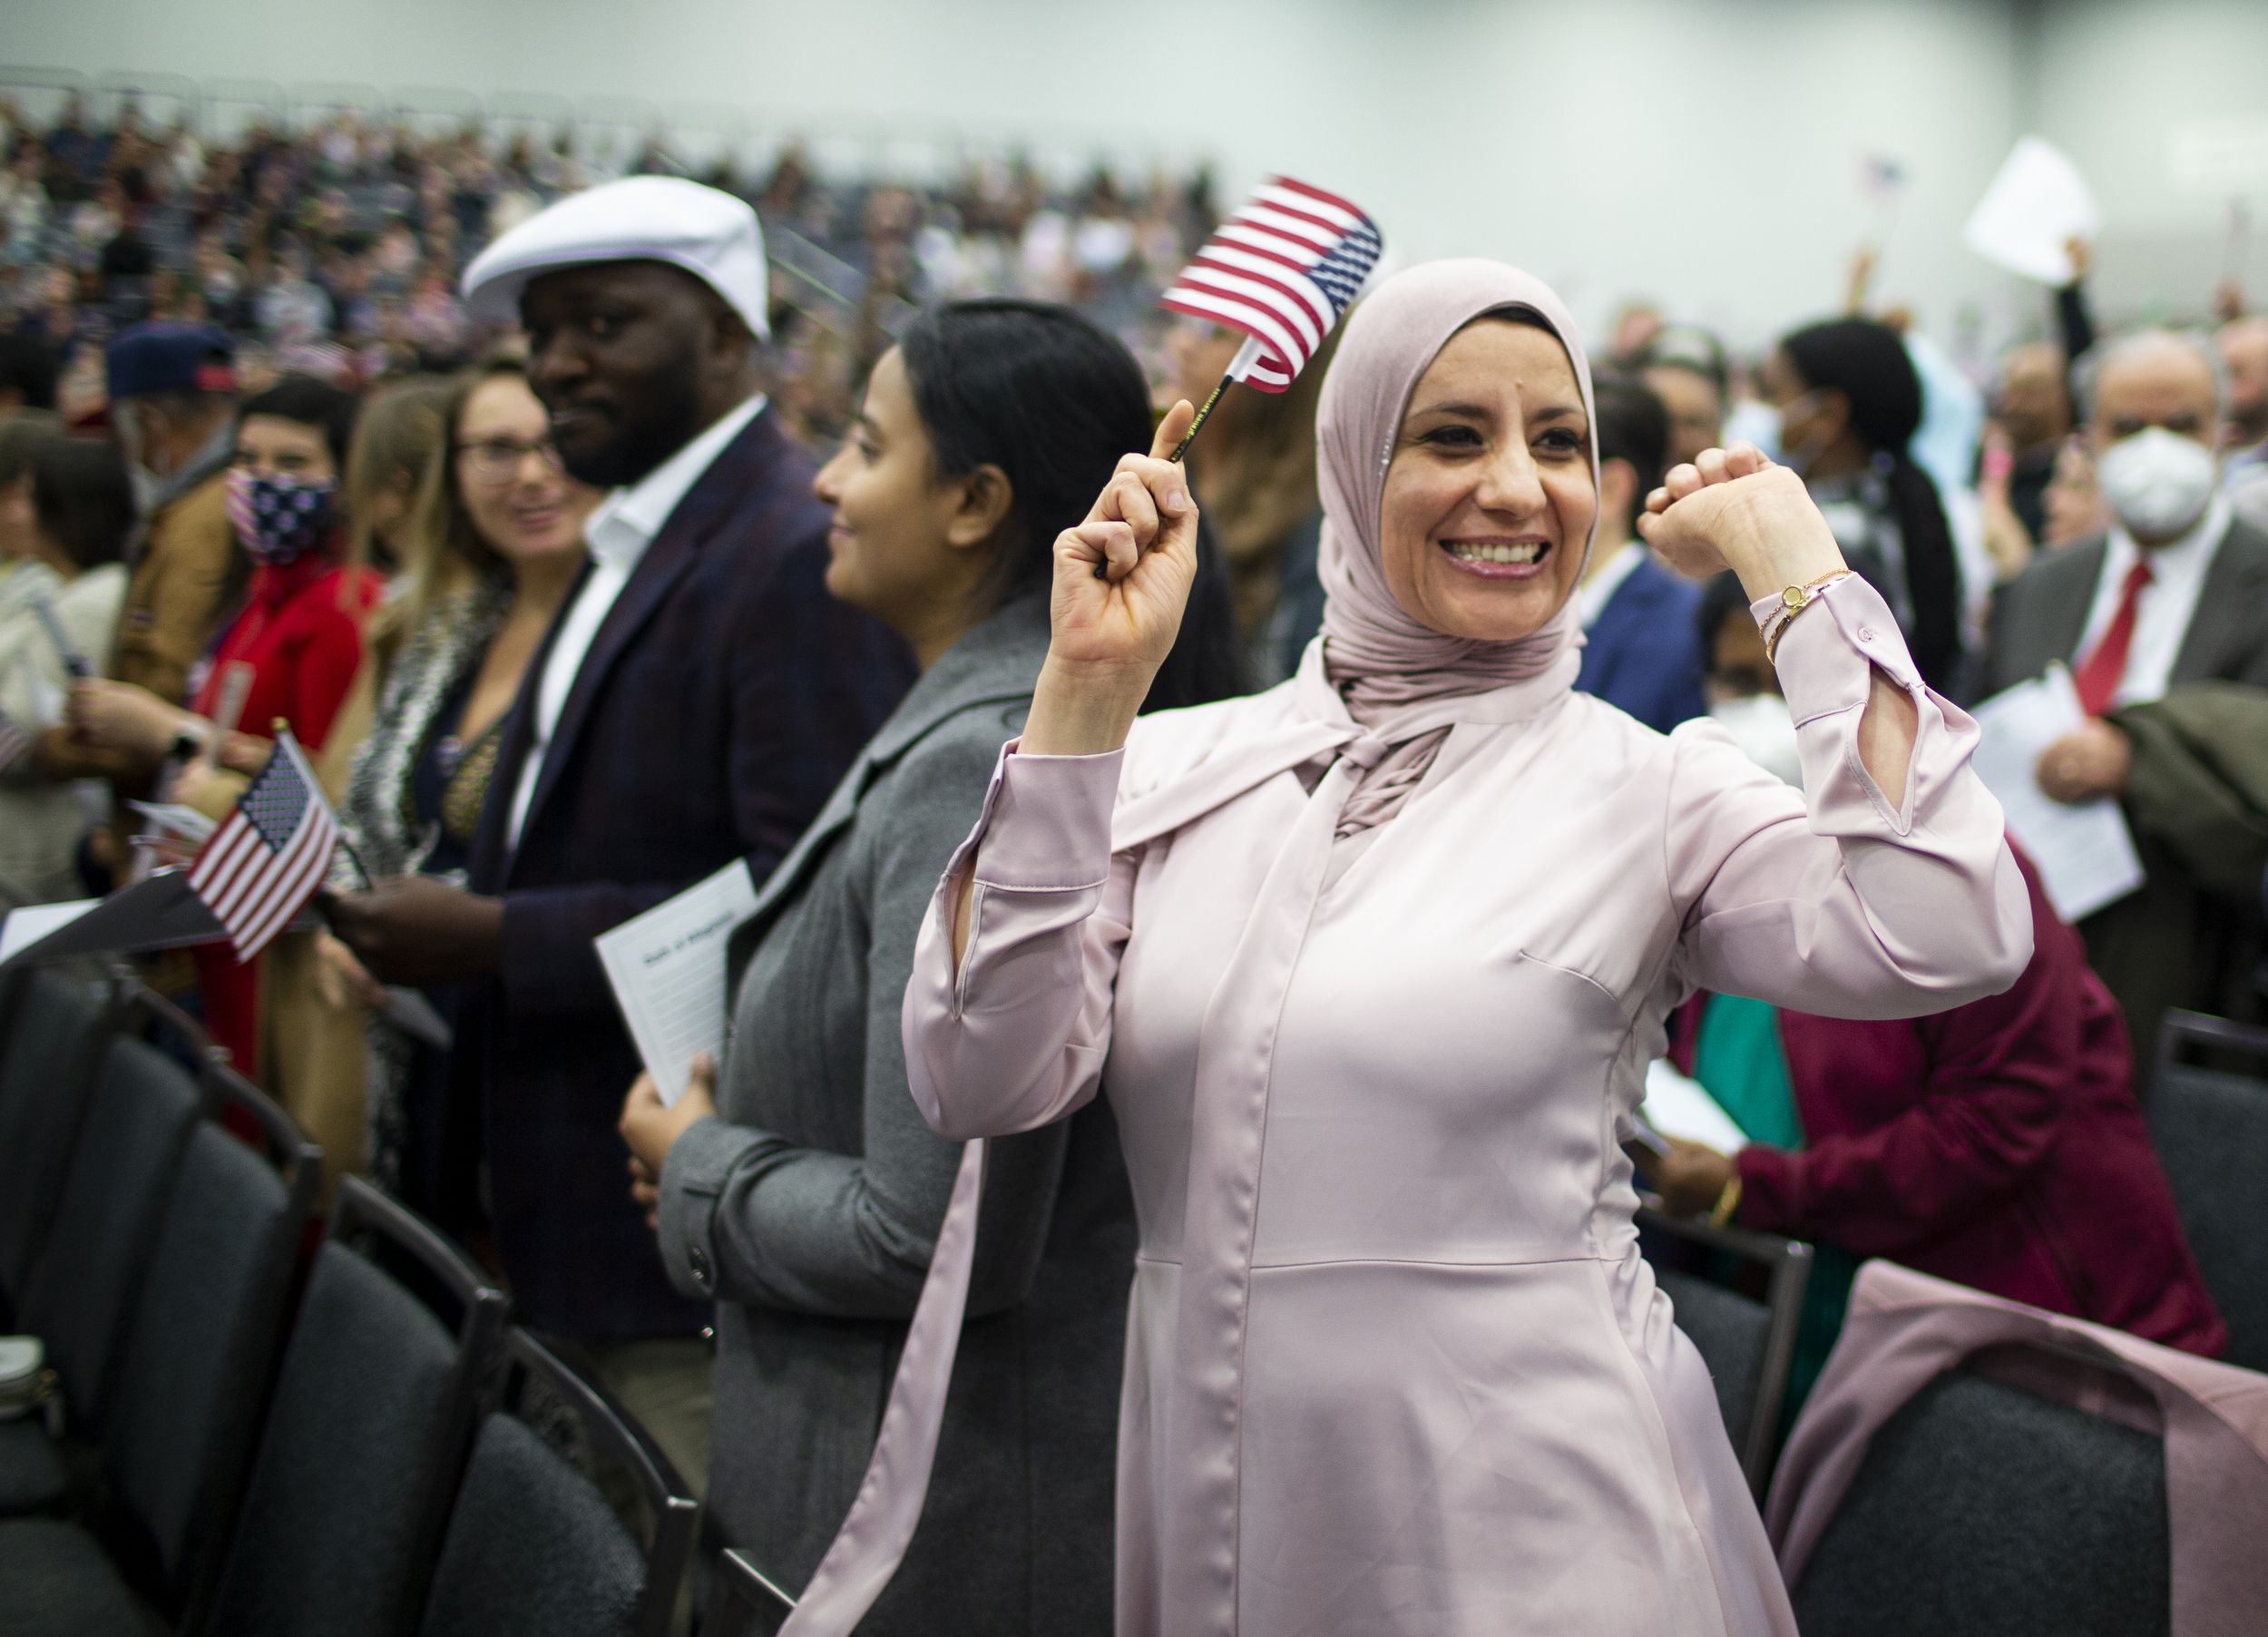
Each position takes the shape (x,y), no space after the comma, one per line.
(1369,967)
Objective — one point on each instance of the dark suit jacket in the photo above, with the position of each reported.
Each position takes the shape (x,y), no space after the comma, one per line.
(2041,615)
(1644,656)
(2185,938)
(722,699)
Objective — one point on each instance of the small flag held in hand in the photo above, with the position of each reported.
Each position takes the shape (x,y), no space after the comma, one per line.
(1283,269)
(263,866)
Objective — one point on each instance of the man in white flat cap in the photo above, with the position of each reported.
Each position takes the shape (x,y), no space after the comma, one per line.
(696,701)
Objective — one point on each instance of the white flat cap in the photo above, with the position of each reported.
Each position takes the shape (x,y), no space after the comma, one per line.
(711,234)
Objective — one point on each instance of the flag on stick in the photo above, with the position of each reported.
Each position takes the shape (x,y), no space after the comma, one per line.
(1283,269)
(261,867)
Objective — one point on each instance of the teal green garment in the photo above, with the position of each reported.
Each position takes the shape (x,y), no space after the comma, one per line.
(1738,1059)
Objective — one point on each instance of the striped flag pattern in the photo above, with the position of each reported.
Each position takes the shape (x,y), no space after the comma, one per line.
(261,867)
(1283,269)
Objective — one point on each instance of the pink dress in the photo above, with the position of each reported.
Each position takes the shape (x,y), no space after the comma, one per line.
(1394,1364)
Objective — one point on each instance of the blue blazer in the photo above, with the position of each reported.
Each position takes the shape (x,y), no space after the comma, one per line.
(724,695)
(1644,656)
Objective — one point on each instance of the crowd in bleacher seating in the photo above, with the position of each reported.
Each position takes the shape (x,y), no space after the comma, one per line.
(334,248)
(597,522)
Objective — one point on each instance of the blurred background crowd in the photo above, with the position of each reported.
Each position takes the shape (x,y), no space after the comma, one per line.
(333,246)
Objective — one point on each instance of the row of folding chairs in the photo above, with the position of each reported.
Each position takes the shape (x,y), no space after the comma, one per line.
(1983,1507)
(208,1461)
(2207,1107)
(1739,1293)
(1980,1509)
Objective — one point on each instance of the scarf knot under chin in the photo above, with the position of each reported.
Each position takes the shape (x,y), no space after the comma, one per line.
(1384,663)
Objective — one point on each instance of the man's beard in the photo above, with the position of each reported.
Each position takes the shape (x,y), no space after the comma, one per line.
(663,423)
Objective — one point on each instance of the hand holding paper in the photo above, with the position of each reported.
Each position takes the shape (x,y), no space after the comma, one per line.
(668,970)
(650,1127)
(2084,851)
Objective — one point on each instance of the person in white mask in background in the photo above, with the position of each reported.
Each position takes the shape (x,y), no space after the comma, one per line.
(2162,621)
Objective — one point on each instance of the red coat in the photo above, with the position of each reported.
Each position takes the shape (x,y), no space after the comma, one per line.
(1998,1146)
(300,630)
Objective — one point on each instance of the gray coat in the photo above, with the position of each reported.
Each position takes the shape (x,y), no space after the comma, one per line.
(809,1210)
(2191,936)
(2041,615)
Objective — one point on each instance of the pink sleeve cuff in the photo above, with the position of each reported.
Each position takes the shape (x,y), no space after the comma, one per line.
(1047,822)
(1827,652)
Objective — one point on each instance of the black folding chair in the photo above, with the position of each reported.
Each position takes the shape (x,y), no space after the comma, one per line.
(532,1548)
(1746,1342)
(197,1362)
(1982,1510)
(55,1033)
(367,1434)
(2208,1114)
(84,1286)
(743,1602)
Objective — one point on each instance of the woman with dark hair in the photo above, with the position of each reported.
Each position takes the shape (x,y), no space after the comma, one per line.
(1850,402)
(805,1192)
(62,556)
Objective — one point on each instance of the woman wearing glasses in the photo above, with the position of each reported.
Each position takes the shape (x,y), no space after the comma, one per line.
(491,551)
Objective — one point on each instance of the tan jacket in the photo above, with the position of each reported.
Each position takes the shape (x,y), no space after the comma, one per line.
(174,603)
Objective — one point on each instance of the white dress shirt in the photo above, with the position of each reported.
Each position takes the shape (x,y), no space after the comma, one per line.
(2167,604)
(620,528)
(1594,594)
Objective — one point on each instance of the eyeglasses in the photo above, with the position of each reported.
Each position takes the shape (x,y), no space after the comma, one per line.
(497,460)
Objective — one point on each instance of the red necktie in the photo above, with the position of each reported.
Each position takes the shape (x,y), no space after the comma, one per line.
(2099,675)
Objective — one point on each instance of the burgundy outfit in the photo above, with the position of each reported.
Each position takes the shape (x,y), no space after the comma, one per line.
(1998,1146)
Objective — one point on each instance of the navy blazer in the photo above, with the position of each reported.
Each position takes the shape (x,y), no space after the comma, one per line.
(1644,656)
(722,699)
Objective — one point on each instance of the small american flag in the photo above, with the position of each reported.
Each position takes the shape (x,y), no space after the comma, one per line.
(1283,269)
(263,866)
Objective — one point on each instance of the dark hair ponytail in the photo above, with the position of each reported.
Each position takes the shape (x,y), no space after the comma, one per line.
(1867,363)
(1053,401)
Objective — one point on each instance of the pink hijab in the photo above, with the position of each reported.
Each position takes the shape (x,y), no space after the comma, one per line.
(1382,661)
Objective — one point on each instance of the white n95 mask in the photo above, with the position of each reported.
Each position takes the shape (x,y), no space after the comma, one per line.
(2157,481)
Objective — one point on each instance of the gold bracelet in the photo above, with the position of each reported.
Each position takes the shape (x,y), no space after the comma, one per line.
(1727,1201)
(1794,600)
